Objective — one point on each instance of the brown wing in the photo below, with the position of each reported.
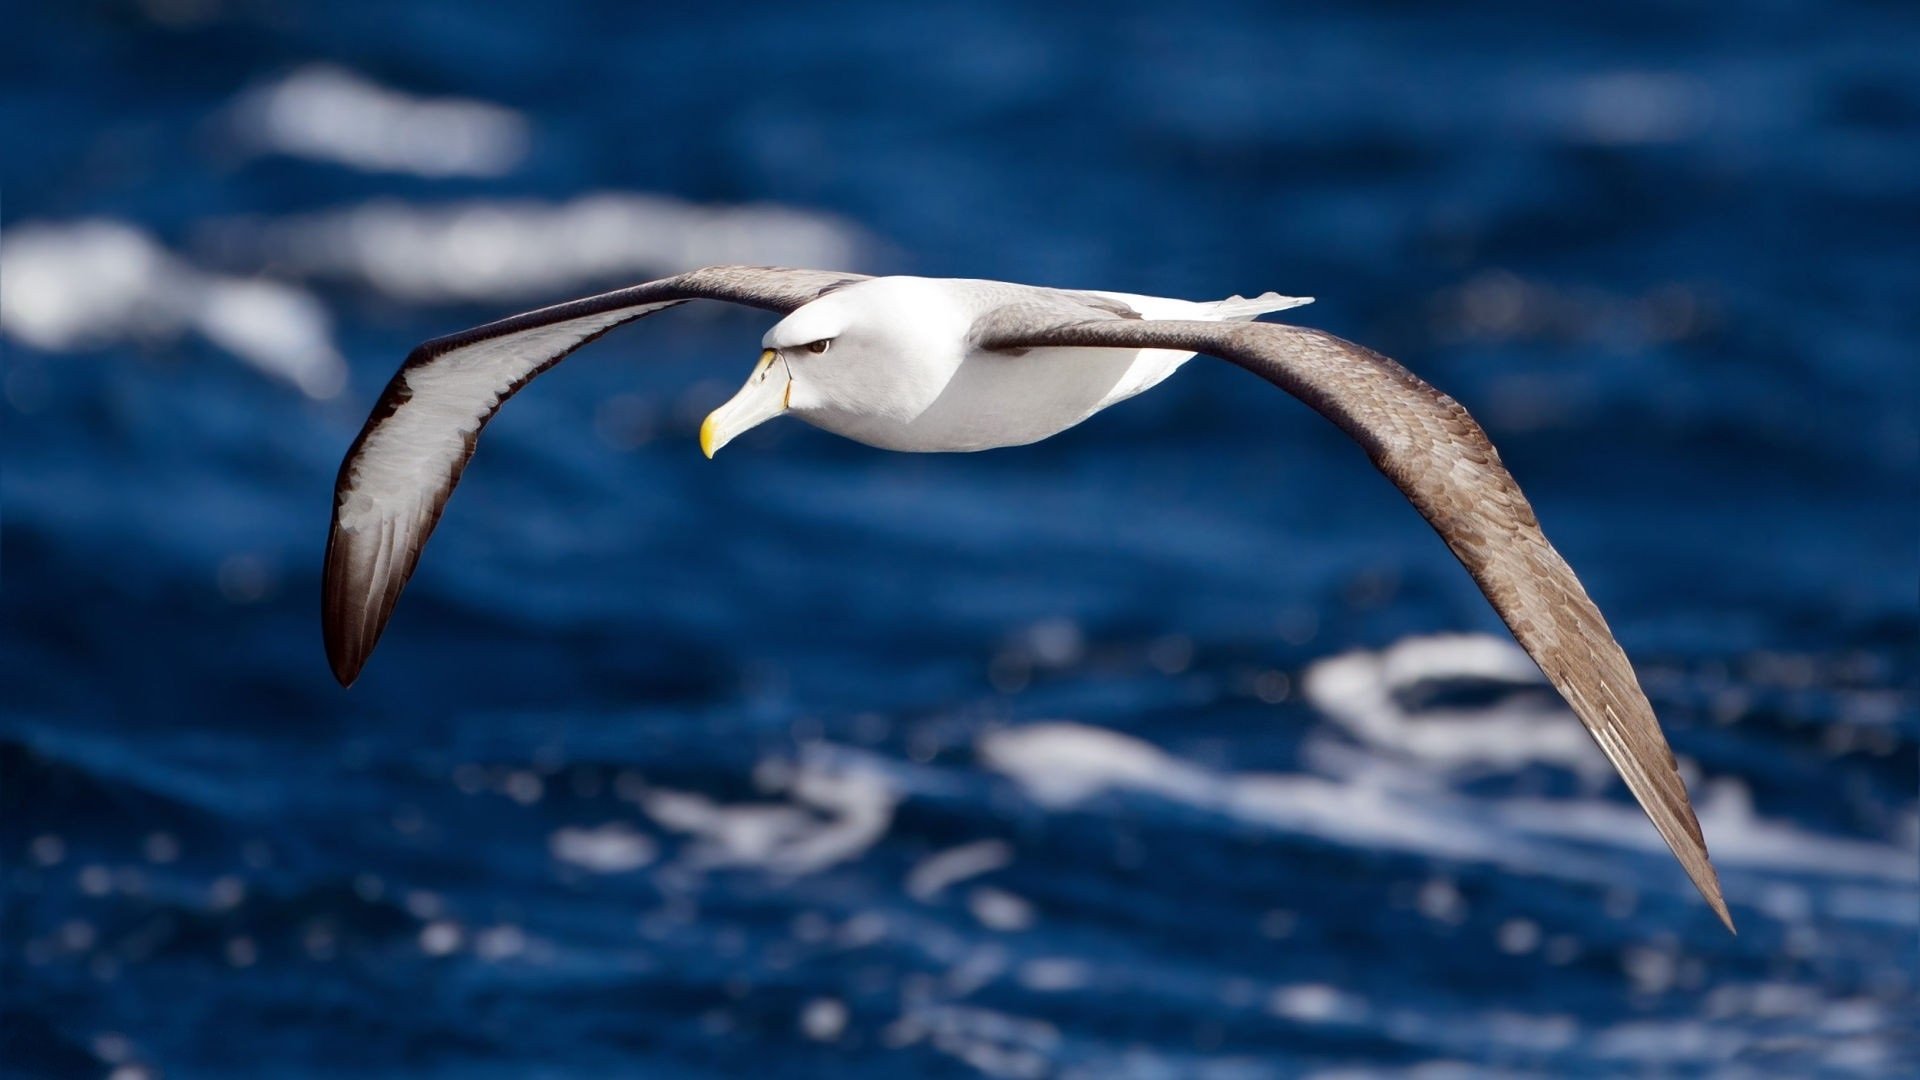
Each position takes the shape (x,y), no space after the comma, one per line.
(398,474)
(1440,458)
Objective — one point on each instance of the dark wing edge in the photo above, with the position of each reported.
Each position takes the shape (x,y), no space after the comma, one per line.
(1438,456)
(396,478)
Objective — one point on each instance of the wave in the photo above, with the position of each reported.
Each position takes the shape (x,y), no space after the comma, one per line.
(515,249)
(322,112)
(102,282)
(1369,695)
(1398,790)
(834,812)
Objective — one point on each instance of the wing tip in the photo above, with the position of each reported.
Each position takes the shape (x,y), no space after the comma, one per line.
(1708,882)
(345,655)
(345,629)
(1726,919)
(1689,846)
(345,663)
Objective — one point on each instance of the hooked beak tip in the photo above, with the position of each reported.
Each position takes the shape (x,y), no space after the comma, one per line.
(707,446)
(764,397)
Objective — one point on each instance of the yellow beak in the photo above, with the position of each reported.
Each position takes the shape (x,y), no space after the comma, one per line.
(760,400)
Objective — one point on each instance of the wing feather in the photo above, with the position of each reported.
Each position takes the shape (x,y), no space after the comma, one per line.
(398,474)
(1425,442)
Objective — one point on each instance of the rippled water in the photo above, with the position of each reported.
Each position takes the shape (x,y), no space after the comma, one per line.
(1174,746)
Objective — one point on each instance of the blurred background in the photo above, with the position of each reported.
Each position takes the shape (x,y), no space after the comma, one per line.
(1175,746)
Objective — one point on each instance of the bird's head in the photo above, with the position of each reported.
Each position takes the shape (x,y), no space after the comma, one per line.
(867,357)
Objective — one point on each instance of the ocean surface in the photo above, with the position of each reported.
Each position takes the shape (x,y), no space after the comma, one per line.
(1174,746)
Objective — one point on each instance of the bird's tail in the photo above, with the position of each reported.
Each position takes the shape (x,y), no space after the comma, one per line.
(1241,309)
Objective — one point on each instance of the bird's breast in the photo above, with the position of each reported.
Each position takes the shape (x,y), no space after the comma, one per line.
(1000,399)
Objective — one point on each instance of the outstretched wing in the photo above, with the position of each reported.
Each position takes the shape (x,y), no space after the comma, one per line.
(398,474)
(1440,458)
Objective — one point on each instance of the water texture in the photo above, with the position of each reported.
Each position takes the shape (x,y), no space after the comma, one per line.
(1175,746)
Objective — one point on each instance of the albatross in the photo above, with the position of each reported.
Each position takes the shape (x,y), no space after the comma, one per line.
(929,364)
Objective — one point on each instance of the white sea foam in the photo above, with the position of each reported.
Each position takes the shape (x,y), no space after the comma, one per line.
(1316,1003)
(1362,814)
(1381,806)
(992,1043)
(1439,1069)
(1064,764)
(997,909)
(613,848)
(1736,1021)
(1054,975)
(517,249)
(937,872)
(98,283)
(838,810)
(1361,690)
(823,1019)
(1669,1042)
(1738,836)
(327,113)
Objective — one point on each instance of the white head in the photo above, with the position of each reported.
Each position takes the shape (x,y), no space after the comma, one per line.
(863,361)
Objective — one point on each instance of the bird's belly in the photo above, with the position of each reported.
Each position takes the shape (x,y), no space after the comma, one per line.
(996,399)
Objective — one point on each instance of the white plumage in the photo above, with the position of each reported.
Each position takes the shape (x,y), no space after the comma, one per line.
(902,372)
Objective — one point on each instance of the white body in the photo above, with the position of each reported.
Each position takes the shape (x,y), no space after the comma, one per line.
(900,373)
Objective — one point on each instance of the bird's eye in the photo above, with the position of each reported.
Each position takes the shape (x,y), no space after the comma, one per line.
(819,346)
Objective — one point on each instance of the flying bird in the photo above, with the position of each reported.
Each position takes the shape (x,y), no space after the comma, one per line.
(929,364)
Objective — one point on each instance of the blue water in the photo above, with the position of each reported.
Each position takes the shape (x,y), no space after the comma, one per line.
(1134,753)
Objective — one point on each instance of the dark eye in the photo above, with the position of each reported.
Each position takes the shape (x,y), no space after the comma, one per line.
(819,346)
